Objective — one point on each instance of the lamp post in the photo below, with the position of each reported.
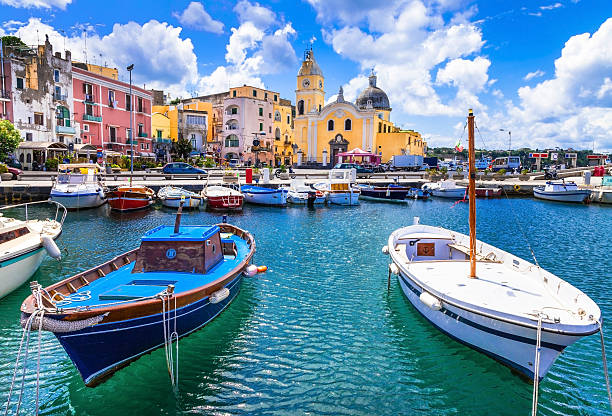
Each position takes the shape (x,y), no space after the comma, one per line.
(509,140)
(129,68)
(256,150)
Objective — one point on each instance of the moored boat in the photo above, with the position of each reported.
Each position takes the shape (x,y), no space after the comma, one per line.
(222,198)
(389,193)
(561,192)
(340,187)
(298,193)
(260,195)
(130,197)
(417,193)
(78,186)
(176,282)
(488,192)
(495,302)
(24,242)
(445,189)
(171,197)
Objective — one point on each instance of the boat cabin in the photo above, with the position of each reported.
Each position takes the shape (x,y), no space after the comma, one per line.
(560,186)
(343,176)
(77,173)
(194,249)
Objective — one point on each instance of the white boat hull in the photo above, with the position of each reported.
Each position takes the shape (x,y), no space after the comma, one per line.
(457,193)
(78,201)
(570,196)
(277,198)
(343,198)
(190,202)
(15,272)
(301,198)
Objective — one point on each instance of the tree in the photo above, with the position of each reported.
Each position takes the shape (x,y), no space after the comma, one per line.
(12,41)
(9,139)
(182,147)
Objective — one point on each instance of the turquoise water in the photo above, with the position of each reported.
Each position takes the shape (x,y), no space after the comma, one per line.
(319,333)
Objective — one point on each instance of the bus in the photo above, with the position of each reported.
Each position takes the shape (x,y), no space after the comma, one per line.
(509,163)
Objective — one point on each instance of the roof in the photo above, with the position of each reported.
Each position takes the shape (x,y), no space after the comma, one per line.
(309,65)
(42,145)
(65,166)
(186,233)
(85,147)
(373,96)
(357,152)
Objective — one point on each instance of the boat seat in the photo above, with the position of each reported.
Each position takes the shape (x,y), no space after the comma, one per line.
(479,257)
(136,289)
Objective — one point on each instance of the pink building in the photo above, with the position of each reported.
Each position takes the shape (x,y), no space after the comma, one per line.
(102,106)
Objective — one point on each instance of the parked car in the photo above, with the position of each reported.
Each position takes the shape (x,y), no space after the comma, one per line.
(180,167)
(361,171)
(233,163)
(15,172)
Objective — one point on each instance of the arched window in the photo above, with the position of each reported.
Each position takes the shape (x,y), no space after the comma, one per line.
(21,158)
(300,107)
(277,134)
(29,158)
(330,125)
(348,125)
(232,141)
(380,127)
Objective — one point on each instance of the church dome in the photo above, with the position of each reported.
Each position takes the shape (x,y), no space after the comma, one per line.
(373,96)
(309,65)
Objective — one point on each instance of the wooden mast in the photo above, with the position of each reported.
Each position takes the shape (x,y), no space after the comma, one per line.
(472,194)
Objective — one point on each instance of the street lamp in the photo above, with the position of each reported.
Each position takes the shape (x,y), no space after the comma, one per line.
(257,146)
(129,68)
(509,140)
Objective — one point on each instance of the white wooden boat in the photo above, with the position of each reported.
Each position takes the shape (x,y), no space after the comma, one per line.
(486,298)
(298,193)
(260,195)
(223,198)
(24,242)
(78,186)
(445,189)
(561,192)
(340,187)
(171,196)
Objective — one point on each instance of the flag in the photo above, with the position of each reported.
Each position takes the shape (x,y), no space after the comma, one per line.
(458,146)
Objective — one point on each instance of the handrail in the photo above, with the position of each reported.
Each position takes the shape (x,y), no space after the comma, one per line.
(48,201)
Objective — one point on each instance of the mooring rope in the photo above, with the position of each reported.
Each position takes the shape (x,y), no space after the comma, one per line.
(536,371)
(605,362)
(170,337)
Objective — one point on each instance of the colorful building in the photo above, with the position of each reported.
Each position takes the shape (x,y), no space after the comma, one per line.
(103,106)
(322,131)
(160,128)
(283,132)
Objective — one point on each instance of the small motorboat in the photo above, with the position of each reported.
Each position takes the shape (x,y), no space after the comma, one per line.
(485,192)
(417,193)
(264,196)
(445,189)
(389,193)
(603,193)
(561,192)
(340,187)
(224,198)
(130,197)
(24,242)
(298,193)
(176,282)
(172,196)
(78,186)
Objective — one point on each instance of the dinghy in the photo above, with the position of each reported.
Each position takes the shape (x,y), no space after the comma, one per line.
(298,193)
(495,302)
(264,196)
(176,282)
(445,189)
(171,197)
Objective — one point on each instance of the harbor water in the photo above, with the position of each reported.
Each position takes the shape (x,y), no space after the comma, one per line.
(319,333)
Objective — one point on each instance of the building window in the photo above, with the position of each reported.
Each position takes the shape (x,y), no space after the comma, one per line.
(56,75)
(112,133)
(234,110)
(277,116)
(232,141)
(142,146)
(89,109)
(384,128)
(128,102)
(300,107)
(88,92)
(199,120)
(265,95)
(128,134)
(61,139)
(111,98)
(159,134)
(20,83)
(380,127)
(234,93)
(330,125)
(254,93)
(348,124)
(260,112)
(58,93)
(140,106)
(85,127)
(29,155)
(269,129)
(260,126)
(277,134)
(269,115)
(28,139)
(275,97)
(288,119)
(38,119)
(141,132)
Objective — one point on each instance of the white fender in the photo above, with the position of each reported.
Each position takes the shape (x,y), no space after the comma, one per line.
(394,269)
(219,295)
(52,248)
(431,301)
(385,249)
(101,193)
(251,270)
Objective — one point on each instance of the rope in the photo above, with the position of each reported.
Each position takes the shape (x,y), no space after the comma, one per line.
(170,337)
(536,371)
(605,362)
(521,229)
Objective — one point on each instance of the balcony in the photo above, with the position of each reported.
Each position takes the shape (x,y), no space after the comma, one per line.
(60,97)
(130,141)
(162,140)
(87,117)
(142,134)
(65,130)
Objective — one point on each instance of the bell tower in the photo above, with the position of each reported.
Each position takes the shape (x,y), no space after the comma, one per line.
(309,94)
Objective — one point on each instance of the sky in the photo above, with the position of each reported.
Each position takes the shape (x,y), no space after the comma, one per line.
(537,72)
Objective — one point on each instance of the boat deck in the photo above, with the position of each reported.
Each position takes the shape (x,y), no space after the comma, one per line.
(497,288)
(123,285)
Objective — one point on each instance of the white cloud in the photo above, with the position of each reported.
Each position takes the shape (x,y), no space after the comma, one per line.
(534,74)
(195,17)
(13,25)
(242,39)
(551,6)
(172,67)
(259,16)
(37,4)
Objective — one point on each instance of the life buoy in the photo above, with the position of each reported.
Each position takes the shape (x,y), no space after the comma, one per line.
(517,187)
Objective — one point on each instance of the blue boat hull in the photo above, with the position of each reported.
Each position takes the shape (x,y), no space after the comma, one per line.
(100,350)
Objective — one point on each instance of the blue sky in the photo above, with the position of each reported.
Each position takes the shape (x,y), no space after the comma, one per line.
(541,69)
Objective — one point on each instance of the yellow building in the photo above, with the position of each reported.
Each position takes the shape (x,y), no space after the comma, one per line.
(105,71)
(283,133)
(322,131)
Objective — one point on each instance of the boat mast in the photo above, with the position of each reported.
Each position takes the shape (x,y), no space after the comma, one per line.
(472,194)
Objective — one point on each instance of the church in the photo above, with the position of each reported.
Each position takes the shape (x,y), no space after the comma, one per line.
(322,131)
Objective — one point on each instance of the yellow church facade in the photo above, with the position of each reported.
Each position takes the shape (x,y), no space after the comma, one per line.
(322,131)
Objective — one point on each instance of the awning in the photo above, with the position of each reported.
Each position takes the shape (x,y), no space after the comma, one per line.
(85,148)
(110,153)
(57,146)
(146,154)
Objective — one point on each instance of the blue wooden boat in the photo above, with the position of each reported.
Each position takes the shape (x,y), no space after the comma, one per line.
(177,281)
(390,193)
(264,196)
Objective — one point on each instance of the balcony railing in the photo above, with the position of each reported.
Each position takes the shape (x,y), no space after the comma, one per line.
(142,134)
(65,130)
(129,141)
(162,140)
(87,117)
(60,97)
(231,127)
